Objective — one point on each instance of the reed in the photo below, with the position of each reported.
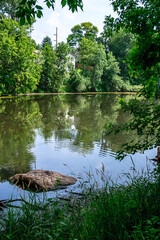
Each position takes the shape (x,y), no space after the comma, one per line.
(125,212)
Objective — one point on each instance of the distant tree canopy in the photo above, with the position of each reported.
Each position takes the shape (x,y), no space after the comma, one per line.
(95,71)
(54,67)
(111,79)
(48,73)
(120,44)
(83,30)
(92,58)
(46,40)
(62,51)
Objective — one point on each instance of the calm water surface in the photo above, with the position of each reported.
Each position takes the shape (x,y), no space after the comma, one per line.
(63,133)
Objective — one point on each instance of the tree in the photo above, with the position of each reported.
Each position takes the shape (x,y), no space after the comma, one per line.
(120,44)
(77,82)
(54,67)
(86,30)
(111,80)
(48,73)
(62,50)
(19,71)
(28,9)
(46,40)
(141,18)
(91,59)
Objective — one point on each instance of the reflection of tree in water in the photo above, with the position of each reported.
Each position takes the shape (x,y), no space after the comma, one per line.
(54,117)
(83,118)
(18,118)
(91,121)
(113,143)
(77,121)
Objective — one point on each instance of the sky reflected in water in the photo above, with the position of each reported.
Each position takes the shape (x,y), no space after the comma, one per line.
(63,133)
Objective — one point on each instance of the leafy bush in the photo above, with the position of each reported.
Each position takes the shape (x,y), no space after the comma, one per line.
(76,81)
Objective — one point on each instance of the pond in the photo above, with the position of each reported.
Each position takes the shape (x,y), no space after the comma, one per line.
(63,133)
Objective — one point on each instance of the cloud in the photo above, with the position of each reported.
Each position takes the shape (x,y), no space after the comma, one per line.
(37,36)
(68,15)
(64,20)
(54,20)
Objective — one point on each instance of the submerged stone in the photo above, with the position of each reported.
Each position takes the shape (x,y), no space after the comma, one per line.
(42,180)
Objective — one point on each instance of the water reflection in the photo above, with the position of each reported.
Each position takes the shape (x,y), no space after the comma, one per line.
(18,119)
(66,123)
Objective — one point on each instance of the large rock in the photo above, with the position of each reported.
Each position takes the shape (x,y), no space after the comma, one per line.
(39,180)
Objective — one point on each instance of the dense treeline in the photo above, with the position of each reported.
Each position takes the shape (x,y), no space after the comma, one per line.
(101,61)
(85,63)
(24,69)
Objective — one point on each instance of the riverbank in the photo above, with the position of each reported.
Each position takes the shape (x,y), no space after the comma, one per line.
(124,212)
(69,93)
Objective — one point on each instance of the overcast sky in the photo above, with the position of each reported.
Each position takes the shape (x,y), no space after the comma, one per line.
(94,11)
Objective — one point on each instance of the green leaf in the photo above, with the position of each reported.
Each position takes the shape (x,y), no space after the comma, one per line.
(50,199)
(18,14)
(23,1)
(48,4)
(29,19)
(22,21)
(39,14)
(63,2)
(10,81)
(39,7)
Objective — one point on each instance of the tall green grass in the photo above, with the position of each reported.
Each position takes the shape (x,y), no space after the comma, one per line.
(130,211)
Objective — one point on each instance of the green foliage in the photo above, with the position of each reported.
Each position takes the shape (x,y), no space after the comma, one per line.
(54,67)
(84,30)
(28,9)
(103,71)
(141,18)
(96,72)
(77,82)
(120,45)
(91,59)
(144,120)
(148,72)
(48,73)
(76,36)
(148,231)
(62,61)
(19,72)
(111,80)
(46,40)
